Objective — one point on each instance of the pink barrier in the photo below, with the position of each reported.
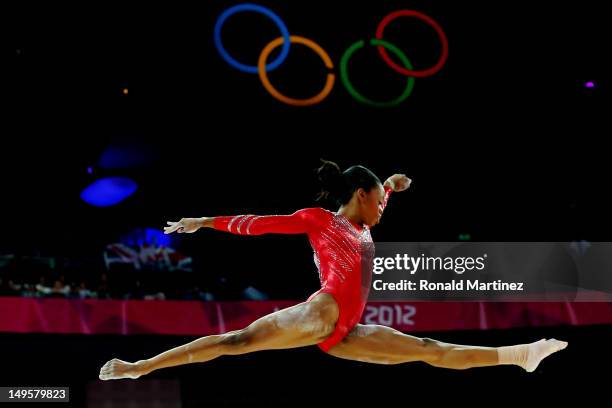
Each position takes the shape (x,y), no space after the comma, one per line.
(27,315)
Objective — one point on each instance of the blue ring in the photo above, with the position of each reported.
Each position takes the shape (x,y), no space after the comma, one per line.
(252,69)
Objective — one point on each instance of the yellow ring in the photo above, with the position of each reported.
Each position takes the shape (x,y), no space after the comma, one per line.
(263,76)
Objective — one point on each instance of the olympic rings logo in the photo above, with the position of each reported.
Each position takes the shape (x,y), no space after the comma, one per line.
(285,40)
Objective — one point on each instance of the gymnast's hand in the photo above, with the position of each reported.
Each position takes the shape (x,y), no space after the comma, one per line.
(398,182)
(187,225)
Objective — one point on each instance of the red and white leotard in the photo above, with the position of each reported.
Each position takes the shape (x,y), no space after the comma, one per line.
(342,252)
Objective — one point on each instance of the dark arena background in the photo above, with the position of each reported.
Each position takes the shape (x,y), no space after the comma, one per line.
(120,117)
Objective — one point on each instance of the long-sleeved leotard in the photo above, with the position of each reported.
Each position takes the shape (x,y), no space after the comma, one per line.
(342,252)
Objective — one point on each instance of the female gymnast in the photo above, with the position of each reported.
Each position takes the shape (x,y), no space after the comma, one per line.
(330,317)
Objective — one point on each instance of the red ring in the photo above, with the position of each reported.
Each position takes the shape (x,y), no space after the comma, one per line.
(404,71)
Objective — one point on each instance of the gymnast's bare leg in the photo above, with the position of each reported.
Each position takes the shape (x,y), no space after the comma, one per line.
(384,345)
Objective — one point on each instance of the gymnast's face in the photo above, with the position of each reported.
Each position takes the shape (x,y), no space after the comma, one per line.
(371,204)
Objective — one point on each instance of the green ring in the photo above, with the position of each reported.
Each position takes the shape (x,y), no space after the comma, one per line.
(359,97)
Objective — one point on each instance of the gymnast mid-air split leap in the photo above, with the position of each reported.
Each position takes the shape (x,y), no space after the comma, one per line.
(330,317)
